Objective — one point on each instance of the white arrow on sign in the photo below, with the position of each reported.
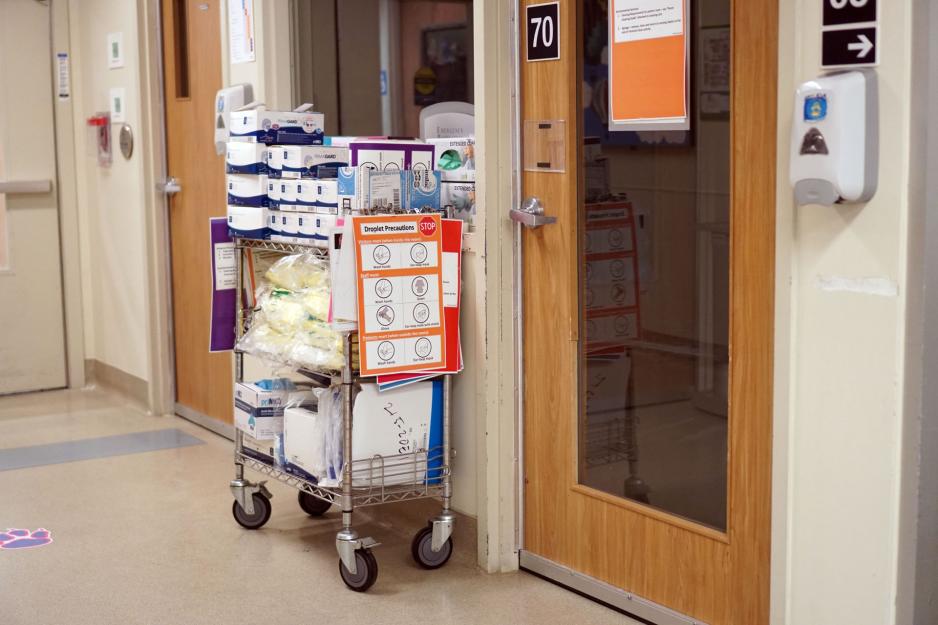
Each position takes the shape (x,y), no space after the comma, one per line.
(862,47)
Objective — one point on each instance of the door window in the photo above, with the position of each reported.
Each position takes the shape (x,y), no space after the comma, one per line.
(654,276)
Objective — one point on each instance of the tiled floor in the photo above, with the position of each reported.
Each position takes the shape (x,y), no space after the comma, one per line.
(149,538)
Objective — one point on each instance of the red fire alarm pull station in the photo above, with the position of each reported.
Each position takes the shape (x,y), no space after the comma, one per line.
(99,126)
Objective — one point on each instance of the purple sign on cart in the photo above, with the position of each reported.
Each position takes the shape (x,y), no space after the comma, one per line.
(224,286)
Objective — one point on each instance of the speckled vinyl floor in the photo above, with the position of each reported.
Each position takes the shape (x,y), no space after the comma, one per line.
(148,538)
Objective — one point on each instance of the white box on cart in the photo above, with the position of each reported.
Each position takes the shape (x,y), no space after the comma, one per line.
(404,423)
(259,411)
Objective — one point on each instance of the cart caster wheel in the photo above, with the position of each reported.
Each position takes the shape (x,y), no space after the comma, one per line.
(256,520)
(366,574)
(422,550)
(313,506)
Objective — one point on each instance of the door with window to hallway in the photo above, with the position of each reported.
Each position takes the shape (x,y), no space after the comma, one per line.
(648,306)
(192,75)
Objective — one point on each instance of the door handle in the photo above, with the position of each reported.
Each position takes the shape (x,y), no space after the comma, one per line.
(170,186)
(531,214)
(23,187)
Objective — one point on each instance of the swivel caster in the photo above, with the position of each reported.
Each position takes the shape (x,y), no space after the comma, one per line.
(261,512)
(313,506)
(366,571)
(422,549)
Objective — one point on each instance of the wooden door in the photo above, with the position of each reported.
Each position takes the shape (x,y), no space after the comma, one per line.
(647,459)
(192,66)
(32,331)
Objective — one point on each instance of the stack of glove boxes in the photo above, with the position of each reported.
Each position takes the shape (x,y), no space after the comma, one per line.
(303,192)
(280,177)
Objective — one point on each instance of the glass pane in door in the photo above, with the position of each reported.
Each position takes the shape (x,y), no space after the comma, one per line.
(655,251)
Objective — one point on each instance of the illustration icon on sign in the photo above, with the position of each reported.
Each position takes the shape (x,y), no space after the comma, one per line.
(419,286)
(383,288)
(385,315)
(423,347)
(381,255)
(421,313)
(386,350)
(418,253)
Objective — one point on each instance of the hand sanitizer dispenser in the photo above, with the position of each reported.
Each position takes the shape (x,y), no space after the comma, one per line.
(835,139)
(227,100)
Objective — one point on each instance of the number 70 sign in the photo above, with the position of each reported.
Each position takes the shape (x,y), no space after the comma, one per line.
(543,28)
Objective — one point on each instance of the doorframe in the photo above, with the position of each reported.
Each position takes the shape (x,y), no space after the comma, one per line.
(66,182)
(161,368)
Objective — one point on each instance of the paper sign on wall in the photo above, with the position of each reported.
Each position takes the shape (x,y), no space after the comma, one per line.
(224,286)
(63,76)
(241,31)
(400,293)
(648,61)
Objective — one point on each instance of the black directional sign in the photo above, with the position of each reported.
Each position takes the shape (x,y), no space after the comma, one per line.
(839,12)
(850,47)
(849,33)
(543,31)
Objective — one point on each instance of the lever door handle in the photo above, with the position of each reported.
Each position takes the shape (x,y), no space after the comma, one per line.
(24,187)
(531,214)
(170,186)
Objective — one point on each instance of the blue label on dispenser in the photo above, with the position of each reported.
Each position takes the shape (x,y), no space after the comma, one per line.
(815,108)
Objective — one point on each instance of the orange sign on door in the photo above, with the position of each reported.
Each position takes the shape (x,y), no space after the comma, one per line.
(400,293)
(648,53)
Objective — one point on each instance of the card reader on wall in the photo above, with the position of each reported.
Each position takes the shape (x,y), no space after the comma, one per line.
(226,100)
(835,139)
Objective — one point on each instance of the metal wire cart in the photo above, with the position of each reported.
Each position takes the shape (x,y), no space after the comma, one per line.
(380,479)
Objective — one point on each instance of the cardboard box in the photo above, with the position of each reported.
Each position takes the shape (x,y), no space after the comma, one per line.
(244,157)
(246,190)
(248,221)
(422,190)
(259,450)
(458,195)
(348,196)
(273,223)
(285,127)
(259,412)
(314,161)
(273,192)
(289,190)
(406,420)
(388,155)
(327,196)
(306,445)
(274,161)
(416,190)
(456,154)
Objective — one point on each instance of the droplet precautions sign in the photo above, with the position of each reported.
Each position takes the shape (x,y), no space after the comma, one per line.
(400,293)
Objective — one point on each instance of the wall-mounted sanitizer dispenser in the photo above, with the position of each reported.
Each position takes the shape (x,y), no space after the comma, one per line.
(835,139)
(227,100)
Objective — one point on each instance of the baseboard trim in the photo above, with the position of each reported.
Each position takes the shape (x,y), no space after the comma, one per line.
(207,422)
(604,593)
(103,374)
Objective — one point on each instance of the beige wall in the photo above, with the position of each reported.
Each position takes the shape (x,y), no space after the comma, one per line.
(110,200)
(841,372)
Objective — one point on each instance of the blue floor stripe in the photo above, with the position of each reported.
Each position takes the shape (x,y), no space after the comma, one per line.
(90,448)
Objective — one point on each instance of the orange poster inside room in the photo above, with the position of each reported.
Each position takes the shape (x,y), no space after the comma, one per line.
(648,51)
